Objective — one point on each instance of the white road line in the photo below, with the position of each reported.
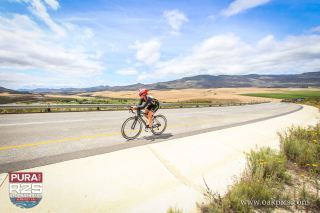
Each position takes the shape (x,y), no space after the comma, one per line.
(48,122)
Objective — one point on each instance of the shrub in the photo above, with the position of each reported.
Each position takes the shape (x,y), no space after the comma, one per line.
(174,210)
(254,189)
(313,201)
(262,181)
(302,146)
(244,196)
(267,163)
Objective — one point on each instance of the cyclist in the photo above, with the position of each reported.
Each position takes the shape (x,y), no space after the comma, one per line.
(149,103)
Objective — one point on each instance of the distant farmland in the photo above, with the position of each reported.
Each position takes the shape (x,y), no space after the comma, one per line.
(214,95)
(287,94)
(239,95)
(6,98)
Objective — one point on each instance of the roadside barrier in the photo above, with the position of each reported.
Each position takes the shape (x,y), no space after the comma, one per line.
(51,107)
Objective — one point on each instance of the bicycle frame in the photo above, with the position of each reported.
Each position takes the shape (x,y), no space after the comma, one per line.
(137,116)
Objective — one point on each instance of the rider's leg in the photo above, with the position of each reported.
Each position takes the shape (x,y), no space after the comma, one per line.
(150,116)
(146,112)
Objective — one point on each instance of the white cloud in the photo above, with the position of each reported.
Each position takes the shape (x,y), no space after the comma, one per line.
(39,9)
(19,80)
(315,29)
(143,76)
(127,71)
(24,45)
(147,52)
(212,17)
(175,19)
(54,4)
(238,6)
(16,80)
(228,54)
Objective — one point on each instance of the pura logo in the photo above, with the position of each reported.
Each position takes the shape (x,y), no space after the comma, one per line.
(25,188)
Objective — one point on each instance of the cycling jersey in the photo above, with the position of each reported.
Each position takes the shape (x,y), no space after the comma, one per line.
(151,103)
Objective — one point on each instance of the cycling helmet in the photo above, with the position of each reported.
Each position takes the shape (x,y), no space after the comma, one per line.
(143,91)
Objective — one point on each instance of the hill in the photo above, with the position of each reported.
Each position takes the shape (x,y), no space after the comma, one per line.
(304,80)
(5,90)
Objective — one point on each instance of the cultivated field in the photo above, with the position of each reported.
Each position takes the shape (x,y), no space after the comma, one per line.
(203,95)
(214,95)
(7,98)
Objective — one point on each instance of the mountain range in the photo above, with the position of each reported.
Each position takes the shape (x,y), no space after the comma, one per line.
(3,89)
(304,80)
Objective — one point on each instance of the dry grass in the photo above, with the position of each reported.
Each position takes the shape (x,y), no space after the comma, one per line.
(215,95)
(5,94)
(199,94)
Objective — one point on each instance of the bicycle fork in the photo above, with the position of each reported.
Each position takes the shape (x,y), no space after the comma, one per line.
(134,123)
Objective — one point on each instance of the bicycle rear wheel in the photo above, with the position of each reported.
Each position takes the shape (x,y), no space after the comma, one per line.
(159,124)
(131,128)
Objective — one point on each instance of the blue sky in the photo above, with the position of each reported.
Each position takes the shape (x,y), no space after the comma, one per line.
(51,43)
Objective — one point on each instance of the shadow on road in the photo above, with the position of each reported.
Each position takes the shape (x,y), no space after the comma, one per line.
(157,137)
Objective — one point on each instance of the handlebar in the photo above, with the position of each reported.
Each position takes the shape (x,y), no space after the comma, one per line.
(132,111)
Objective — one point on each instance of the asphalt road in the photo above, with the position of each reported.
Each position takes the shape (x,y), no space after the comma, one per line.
(31,140)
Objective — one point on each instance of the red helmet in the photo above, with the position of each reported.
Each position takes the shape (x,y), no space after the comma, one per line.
(143,91)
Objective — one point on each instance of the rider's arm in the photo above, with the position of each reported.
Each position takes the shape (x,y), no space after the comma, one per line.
(142,104)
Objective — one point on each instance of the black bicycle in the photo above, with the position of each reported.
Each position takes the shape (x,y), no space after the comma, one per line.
(132,127)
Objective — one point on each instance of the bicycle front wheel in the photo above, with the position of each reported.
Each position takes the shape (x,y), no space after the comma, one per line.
(159,124)
(131,128)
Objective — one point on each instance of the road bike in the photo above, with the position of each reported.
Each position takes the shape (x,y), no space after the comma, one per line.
(132,127)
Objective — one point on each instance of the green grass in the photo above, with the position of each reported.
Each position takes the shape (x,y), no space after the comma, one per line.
(251,189)
(39,99)
(174,210)
(267,177)
(52,110)
(286,95)
(262,180)
(96,101)
(302,146)
(312,102)
(209,101)
(268,164)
